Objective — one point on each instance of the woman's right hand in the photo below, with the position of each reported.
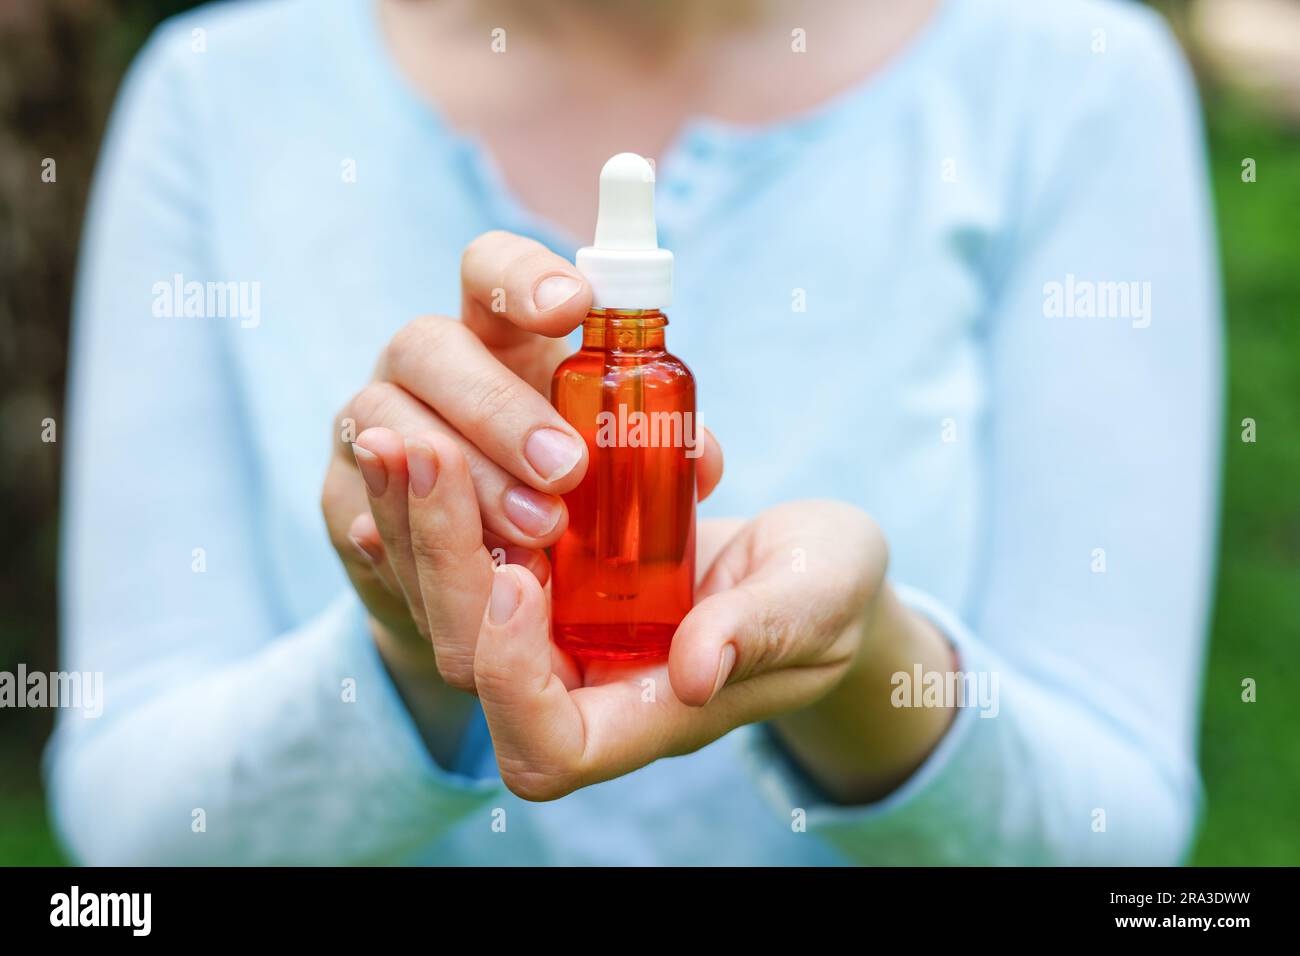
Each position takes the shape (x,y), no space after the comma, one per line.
(465,396)
(458,410)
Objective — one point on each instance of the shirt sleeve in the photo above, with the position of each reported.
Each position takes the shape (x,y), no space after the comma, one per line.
(1101,451)
(231,731)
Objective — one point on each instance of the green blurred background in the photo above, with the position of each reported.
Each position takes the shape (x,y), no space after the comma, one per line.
(61,60)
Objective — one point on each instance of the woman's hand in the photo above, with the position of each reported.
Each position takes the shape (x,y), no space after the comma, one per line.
(462,405)
(458,463)
(793,622)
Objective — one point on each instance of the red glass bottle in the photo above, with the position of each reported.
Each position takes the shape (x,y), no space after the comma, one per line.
(623,574)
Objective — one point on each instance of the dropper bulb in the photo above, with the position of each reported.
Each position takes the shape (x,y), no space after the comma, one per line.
(625,266)
(626,219)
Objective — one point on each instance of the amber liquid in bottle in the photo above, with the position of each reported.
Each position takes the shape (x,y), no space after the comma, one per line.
(623,574)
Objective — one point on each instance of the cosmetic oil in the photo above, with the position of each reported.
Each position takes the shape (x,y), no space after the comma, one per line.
(623,573)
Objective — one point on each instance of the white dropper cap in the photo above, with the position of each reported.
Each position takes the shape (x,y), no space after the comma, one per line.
(626,267)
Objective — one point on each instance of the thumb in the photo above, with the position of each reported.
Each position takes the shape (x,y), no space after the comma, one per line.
(757,628)
(536,729)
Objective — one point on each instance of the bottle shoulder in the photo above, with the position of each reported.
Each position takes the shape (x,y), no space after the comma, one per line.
(658,366)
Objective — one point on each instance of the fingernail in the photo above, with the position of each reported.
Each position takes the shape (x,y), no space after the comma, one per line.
(727,662)
(372,557)
(372,470)
(552,453)
(554,291)
(421,467)
(532,512)
(505,596)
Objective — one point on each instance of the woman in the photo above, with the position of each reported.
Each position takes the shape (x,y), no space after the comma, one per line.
(946,281)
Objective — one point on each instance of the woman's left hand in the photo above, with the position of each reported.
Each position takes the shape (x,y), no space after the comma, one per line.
(793,623)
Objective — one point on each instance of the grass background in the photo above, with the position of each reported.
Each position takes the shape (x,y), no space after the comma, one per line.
(1250,751)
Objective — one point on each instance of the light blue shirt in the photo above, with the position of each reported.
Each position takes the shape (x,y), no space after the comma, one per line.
(975,296)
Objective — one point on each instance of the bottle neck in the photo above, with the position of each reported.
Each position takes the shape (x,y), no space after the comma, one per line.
(624,330)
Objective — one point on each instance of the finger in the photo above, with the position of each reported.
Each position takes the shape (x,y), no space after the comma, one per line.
(503,553)
(550,738)
(366,539)
(517,513)
(381,459)
(713,541)
(445,365)
(537,731)
(708,470)
(375,581)
(453,568)
(783,622)
(515,288)
(343,496)
(539,564)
